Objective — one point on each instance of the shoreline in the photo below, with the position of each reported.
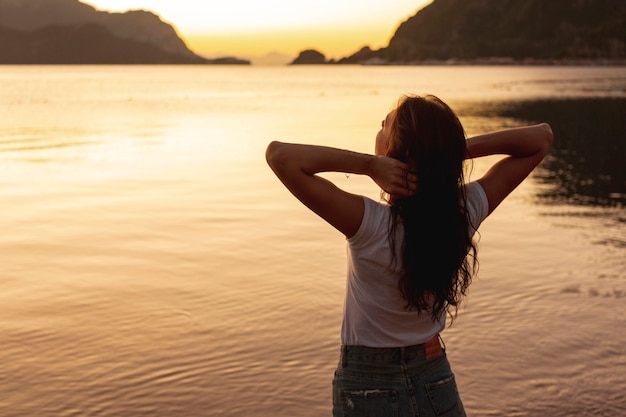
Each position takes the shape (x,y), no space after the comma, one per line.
(495,61)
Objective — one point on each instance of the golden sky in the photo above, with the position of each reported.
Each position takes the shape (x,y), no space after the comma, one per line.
(248,28)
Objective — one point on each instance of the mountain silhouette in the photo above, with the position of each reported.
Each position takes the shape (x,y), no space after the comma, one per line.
(507,31)
(71,32)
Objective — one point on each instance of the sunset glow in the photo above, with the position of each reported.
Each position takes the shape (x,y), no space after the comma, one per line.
(253,28)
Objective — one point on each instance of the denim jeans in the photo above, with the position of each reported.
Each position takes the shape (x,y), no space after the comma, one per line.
(394,382)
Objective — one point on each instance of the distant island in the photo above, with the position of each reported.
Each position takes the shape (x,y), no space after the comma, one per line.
(71,32)
(501,32)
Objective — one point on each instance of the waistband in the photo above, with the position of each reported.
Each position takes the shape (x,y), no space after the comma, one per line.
(425,351)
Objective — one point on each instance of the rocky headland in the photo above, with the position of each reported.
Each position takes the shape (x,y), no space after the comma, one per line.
(71,32)
(505,32)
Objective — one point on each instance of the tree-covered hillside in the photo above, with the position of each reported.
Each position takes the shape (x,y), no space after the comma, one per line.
(508,29)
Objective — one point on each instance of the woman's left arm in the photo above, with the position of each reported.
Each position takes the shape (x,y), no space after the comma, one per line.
(297,165)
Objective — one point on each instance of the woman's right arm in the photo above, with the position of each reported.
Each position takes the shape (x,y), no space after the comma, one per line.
(525,146)
(297,166)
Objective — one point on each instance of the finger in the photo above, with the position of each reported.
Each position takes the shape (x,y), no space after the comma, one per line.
(410,178)
(404,189)
(405,192)
(411,183)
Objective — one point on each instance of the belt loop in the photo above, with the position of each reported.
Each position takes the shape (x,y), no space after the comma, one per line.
(344,356)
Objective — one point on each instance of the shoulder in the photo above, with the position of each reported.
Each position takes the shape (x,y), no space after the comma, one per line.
(477,203)
(375,222)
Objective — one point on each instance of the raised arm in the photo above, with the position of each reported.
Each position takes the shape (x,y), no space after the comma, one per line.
(297,165)
(526,147)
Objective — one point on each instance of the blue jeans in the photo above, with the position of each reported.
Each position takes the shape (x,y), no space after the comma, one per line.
(394,382)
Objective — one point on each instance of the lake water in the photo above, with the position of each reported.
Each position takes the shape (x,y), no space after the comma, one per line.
(152,265)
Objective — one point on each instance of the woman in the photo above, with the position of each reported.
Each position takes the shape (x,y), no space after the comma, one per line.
(410,257)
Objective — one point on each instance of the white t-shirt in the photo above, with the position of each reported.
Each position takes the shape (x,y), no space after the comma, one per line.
(374,309)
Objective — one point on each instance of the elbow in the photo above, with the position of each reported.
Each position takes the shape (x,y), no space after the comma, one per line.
(276,155)
(547,137)
(272,153)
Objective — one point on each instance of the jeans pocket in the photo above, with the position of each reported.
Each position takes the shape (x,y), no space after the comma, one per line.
(369,403)
(444,397)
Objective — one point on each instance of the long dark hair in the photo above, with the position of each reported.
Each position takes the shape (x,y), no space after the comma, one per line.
(438,256)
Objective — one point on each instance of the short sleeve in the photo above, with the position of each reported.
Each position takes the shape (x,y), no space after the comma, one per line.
(477,204)
(374,223)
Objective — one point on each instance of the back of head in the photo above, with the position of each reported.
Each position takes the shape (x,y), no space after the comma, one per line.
(430,138)
(435,271)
